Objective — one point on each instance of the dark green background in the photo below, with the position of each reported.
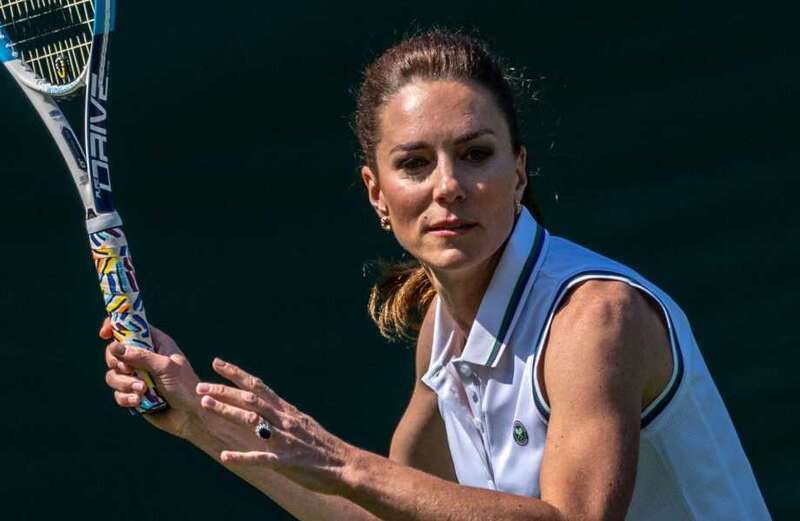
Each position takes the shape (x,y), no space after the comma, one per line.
(667,139)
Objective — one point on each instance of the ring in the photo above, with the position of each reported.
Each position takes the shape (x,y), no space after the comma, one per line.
(264,430)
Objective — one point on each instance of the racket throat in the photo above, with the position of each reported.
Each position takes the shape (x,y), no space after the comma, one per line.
(99,222)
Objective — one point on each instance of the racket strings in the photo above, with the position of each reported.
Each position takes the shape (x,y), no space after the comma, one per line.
(52,37)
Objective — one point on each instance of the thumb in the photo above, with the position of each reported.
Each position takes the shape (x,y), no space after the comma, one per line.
(141,358)
(163,343)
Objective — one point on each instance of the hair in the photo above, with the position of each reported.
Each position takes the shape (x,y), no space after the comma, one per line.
(399,300)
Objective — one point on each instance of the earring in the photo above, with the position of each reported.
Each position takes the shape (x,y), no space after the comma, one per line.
(386,223)
(517,207)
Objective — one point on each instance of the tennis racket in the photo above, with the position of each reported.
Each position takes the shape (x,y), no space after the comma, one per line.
(54,48)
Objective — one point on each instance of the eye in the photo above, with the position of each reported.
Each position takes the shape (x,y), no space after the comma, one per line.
(477,154)
(411,164)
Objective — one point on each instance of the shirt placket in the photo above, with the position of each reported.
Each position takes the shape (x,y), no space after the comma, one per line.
(471,386)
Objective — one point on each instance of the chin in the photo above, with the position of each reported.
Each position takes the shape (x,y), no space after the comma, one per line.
(452,259)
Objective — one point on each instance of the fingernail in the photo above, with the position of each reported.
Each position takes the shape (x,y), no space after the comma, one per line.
(118,350)
(138,386)
(209,401)
(219,362)
(203,388)
(132,400)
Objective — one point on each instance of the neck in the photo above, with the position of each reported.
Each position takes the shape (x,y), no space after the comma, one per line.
(462,291)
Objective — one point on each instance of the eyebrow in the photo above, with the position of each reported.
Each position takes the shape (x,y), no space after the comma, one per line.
(415,145)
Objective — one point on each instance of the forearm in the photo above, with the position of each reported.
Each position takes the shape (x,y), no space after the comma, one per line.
(393,491)
(302,503)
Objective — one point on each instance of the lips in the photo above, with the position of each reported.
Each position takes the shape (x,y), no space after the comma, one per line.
(450,227)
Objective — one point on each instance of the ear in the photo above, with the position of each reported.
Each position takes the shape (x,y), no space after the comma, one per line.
(373,190)
(521,171)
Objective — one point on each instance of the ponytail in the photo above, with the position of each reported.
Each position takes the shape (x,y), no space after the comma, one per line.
(399,300)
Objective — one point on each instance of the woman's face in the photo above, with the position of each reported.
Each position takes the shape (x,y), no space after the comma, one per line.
(447,175)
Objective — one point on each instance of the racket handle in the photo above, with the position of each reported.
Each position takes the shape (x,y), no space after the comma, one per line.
(124,303)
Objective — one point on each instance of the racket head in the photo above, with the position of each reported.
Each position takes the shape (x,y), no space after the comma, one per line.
(48,44)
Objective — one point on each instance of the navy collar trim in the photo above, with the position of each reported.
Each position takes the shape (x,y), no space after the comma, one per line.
(516,295)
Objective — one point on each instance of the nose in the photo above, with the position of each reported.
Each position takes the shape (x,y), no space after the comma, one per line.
(448,187)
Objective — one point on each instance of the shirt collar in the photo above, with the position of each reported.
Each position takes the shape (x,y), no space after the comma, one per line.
(497,313)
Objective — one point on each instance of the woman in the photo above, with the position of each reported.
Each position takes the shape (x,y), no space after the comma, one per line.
(552,383)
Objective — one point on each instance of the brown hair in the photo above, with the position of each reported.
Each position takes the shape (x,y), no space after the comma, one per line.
(399,300)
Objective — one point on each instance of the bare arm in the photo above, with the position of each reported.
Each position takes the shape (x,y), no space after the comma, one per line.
(420,440)
(608,353)
(304,504)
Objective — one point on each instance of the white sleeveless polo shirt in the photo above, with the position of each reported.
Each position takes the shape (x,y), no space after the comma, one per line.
(691,463)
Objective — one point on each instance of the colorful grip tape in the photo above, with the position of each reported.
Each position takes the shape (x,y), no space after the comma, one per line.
(124,303)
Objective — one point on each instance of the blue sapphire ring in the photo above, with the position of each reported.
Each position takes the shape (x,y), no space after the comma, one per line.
(264,430)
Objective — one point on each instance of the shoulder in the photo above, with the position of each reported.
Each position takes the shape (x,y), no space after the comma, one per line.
(598,320)
(603,303)
(604,331)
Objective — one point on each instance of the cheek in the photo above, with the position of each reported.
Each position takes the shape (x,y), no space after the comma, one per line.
(494,197)
(406,201)
(496,189)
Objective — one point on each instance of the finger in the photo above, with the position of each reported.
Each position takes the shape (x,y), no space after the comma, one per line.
(124,368)
(232,457)
(126,399)
(248,382)
(231,413)
(112,362)
(246,400)
(106,331)
(124,383)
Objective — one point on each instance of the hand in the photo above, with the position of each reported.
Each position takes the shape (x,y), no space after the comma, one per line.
(172,372)
(299,447)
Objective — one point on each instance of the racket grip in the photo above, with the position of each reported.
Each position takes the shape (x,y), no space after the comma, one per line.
(124,303)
